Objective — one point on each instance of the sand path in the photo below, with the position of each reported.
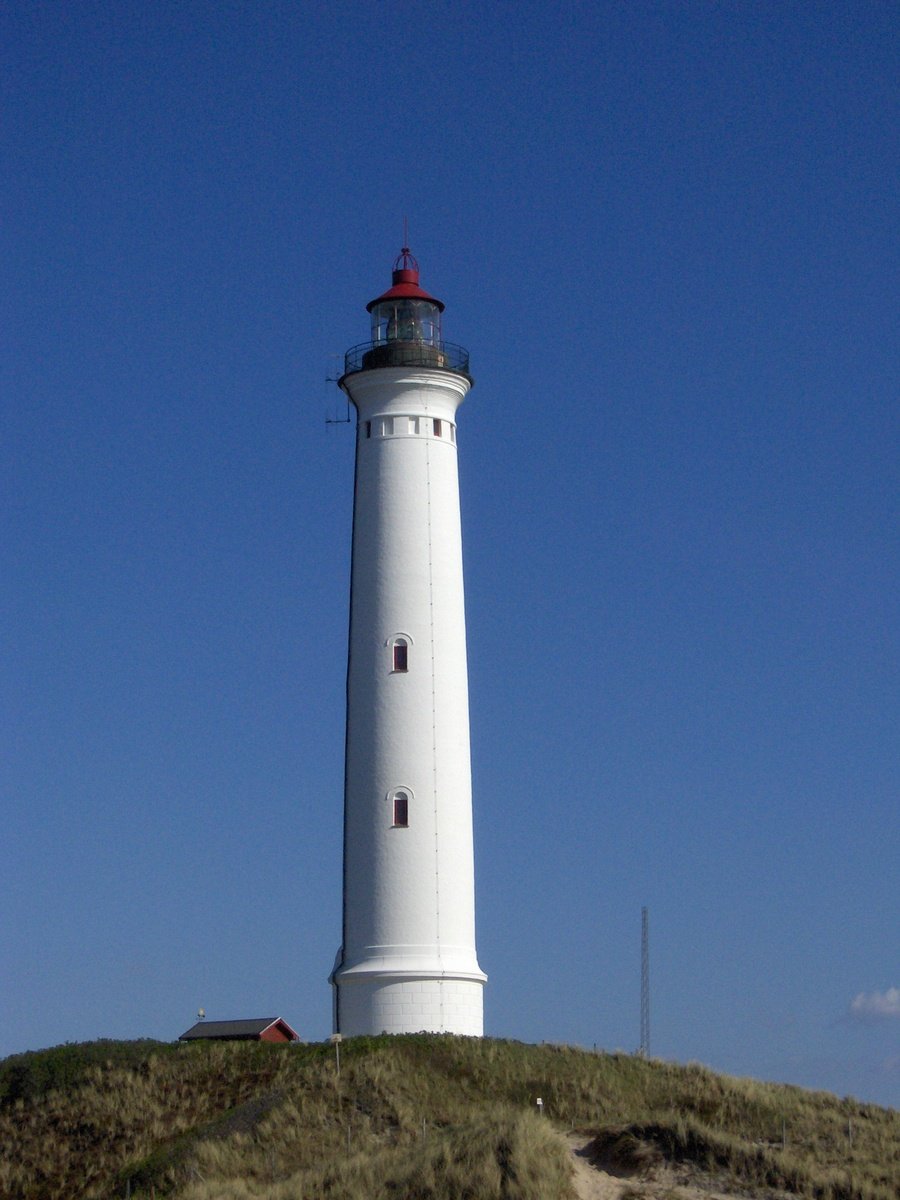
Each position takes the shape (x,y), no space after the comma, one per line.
(590,1182)
(661,1183)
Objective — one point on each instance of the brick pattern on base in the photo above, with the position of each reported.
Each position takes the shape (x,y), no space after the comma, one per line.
(413,1006)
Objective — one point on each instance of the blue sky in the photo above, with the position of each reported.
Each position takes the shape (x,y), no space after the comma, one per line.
(667,234)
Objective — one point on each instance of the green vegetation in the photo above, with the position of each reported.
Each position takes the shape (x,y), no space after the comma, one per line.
(27,1076)
(414,1118)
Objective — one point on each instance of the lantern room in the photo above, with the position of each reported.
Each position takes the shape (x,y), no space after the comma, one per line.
(406,328)
(405,313)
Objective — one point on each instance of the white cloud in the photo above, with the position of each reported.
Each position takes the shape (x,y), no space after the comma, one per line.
(876,1006)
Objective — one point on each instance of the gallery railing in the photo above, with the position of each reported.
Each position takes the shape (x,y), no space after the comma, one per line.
(445,355)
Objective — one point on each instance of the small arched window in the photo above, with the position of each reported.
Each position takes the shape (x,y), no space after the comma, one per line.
(400,655)
(400,805)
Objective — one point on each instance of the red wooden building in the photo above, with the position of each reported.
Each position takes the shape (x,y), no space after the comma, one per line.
(259,1029)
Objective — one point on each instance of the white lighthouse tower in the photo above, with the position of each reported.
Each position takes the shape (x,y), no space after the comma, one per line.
(407,962)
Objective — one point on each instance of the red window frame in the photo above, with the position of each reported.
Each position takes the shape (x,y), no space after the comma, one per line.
(400,657)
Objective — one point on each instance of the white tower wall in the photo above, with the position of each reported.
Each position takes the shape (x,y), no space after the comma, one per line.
(408,961)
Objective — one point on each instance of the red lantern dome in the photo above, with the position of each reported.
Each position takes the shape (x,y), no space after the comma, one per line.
(405,283)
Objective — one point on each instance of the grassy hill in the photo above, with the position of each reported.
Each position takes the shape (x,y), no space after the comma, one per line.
(417,1118)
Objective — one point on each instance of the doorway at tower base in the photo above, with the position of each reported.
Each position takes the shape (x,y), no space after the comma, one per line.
(411,1005)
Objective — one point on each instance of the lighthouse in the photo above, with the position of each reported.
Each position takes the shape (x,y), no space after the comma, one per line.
(407,962)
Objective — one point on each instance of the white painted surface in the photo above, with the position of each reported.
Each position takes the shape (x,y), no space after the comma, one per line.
(409,960)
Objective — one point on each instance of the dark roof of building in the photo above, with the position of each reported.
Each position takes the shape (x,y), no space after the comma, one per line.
(237,1029)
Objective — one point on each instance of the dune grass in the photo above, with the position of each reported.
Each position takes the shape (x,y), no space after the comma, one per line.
(424,1117)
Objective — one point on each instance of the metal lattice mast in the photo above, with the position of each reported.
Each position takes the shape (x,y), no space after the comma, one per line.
(645,983)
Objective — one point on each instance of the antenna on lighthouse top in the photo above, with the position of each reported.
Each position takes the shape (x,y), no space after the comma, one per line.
(406,268)
(405,260)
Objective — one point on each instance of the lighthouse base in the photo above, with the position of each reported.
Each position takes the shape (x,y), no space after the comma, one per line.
(409,1004)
